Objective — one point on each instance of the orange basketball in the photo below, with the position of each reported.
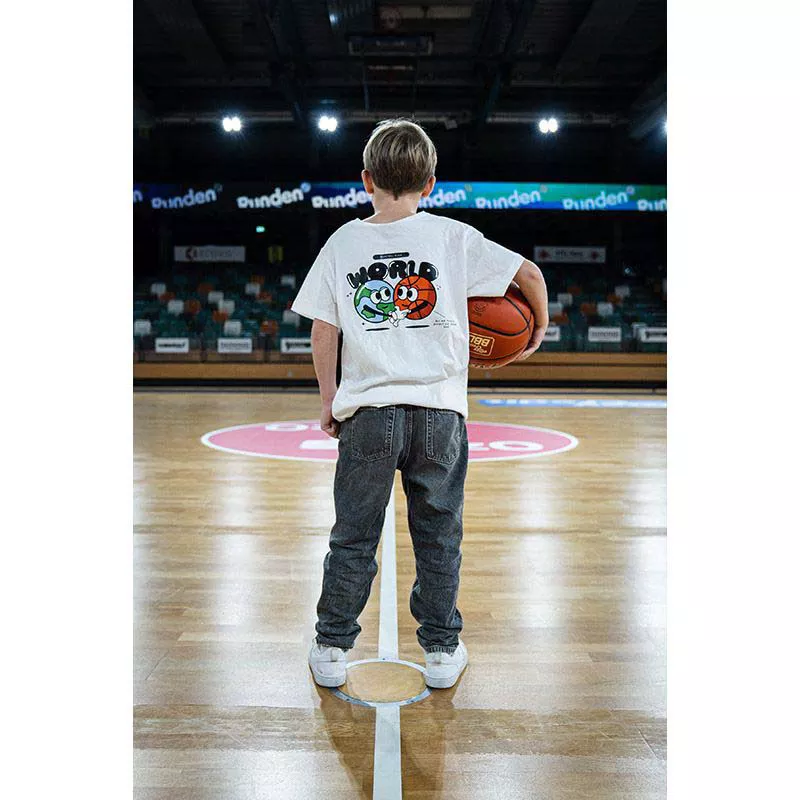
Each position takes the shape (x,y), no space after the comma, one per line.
(499,328)
(415,295)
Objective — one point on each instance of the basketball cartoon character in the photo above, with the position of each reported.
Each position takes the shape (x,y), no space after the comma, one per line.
(415,296)
(373,301)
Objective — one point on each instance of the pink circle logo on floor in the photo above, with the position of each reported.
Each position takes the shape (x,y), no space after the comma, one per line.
(302,440)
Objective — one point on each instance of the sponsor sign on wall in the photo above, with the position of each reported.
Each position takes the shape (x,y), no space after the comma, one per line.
(209,252)
(552,334)
(601,334)
(294,346)
(647,334)
(235,345)
(166,345)
(569,255)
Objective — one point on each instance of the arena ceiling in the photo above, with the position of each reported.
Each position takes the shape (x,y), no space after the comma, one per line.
(478,73)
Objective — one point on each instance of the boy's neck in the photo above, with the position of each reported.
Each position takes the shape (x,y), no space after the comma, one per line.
(387,209)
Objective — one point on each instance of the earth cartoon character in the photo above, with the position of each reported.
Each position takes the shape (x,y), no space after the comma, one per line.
(416,296)
(373,301)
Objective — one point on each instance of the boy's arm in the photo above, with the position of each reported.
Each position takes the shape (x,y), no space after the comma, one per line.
(324,348)
(530,280)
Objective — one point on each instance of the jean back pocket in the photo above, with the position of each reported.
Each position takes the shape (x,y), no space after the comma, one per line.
(370,434)
(444,432)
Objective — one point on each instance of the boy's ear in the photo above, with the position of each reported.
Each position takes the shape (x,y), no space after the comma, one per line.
(366,179)
(429,186)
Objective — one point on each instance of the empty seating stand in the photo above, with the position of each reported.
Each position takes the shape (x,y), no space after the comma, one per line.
(230,315)
(249,309)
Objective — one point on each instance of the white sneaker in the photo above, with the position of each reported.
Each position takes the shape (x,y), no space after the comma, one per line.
(442,670)
(328,665)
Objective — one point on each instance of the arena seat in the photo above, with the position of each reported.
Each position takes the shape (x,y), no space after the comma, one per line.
(269,327)
(192,306)
(605,309)
(287,331)
(290,318)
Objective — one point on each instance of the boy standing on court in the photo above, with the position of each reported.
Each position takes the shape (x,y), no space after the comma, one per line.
(396,285)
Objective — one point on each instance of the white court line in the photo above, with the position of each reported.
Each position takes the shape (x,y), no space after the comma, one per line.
(387,637)
(387,782)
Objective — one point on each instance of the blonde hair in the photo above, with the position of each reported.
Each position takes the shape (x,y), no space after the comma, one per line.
(400,157)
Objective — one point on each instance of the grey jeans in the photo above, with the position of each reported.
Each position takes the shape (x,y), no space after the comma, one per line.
(429,447)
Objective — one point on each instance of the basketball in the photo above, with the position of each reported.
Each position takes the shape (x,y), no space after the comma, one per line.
(415,295)
(499,328)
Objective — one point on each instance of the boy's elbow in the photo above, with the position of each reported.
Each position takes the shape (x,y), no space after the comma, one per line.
(529,273)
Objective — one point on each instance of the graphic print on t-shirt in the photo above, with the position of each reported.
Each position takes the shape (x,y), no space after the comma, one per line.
(412,298)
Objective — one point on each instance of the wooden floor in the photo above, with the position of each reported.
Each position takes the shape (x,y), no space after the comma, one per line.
(562,592)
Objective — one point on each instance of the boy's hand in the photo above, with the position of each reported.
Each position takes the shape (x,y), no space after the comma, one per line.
(327,423)
(536,340)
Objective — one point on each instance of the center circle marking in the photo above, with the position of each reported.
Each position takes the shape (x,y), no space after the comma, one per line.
(303,440)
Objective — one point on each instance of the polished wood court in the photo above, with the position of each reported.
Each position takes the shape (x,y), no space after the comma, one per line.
(562,592)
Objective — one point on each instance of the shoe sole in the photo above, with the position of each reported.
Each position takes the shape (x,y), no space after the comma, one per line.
(328,681)
(444,682)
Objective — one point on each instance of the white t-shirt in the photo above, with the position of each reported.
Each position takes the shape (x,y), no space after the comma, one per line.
(398,291)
